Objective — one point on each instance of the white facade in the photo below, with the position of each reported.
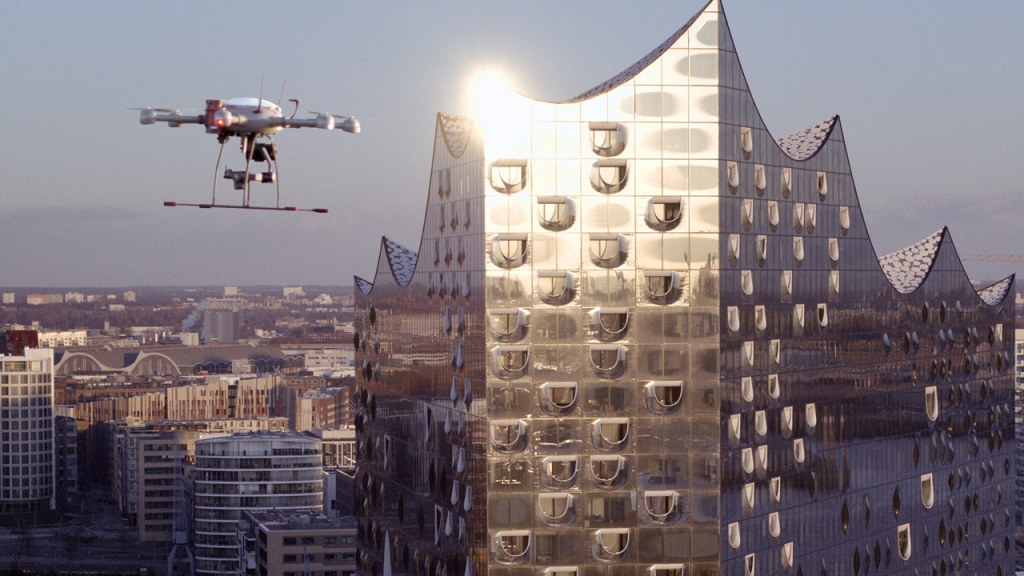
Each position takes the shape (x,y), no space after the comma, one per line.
(336,362)
(26,441)
(63,338)
(8,297)
(248,473)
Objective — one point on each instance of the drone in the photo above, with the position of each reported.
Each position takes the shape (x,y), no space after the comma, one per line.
(251,120)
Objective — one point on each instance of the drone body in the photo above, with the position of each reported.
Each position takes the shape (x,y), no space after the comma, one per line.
(249,119)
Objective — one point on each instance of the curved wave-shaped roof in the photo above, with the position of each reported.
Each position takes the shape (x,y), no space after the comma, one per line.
(456,132)
(638,66)
(363,286)
(807,142)
(995,293)
(401,260)
(907,268)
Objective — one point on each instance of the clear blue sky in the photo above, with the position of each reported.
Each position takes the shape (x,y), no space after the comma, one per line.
(931,95)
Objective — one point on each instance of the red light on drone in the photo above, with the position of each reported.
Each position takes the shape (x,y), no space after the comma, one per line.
(220,121)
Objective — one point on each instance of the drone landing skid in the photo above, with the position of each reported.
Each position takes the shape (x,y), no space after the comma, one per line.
(273,208)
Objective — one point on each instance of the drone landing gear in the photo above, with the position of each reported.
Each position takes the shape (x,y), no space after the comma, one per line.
(242,179)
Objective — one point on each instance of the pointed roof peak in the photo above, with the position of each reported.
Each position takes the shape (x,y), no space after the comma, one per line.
(401,260)
(995,293)
(806,143)
(647,60)
(456,132)
(907,268)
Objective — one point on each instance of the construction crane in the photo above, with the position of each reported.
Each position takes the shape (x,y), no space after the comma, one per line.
(995,258)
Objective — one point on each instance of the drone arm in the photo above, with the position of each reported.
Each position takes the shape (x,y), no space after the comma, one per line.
(322,121)
(173,119)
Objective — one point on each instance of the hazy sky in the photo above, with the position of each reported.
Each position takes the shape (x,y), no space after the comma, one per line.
(931,95)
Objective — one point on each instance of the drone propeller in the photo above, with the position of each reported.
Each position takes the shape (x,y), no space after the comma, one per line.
(164,110)
(347,123)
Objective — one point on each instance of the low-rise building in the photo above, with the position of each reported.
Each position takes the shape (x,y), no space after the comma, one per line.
(63,338)
(40,299)
(295,543)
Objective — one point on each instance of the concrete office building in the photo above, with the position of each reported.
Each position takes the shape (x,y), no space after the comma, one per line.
(641,335)
(221,326)
(296,543)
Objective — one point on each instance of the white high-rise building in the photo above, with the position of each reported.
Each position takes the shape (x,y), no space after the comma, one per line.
(248,472)
(26,431)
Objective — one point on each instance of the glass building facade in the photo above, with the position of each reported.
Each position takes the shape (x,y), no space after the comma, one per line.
(641,336)
(26,441)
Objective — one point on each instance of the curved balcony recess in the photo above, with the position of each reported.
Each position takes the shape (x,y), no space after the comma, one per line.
(559,398)
(508,436)
(609,176)
(511,362)
(608,472)
(664,213)
(609,324)
(509,250)
(512,546)
(664,397)
(662,286)
(607,139)
(662,505)
(508,324)
(608,250)
(508,175)
(556,213)
(559,472)
(556,287)
(611,544)
(608,361)
(556,509)
(666,570)
(611,434)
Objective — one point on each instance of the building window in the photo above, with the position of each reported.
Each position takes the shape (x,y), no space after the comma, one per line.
(509,250)
(746,140)
(609,176)
(290,558)
(289,541)
(607,250)
(512,546)
(927,491)
(508,176)
(611,544)
(556,287)
(759,177)
(607,138)
(556,213)
(732,173)
(734,535)
(610,434)
(556,509)
(559,472)
(664,212)
(903,542)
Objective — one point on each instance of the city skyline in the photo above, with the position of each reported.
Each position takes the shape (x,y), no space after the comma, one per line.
(85,183)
